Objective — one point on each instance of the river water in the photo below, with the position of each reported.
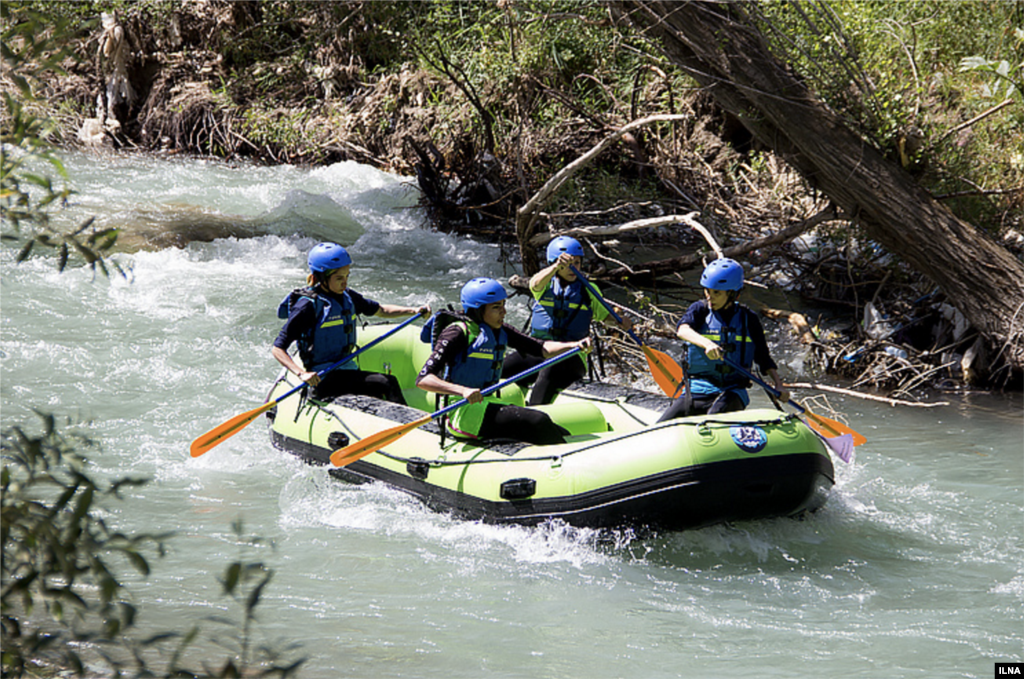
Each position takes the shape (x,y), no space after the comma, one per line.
(915,567)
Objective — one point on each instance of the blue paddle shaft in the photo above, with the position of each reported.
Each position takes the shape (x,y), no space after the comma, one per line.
(515,378)
(771,390)
(835,443)
(349,357)
(602,300)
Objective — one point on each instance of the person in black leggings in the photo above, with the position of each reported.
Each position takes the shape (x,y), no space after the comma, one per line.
(548,383)
(321,319)
(718,327)
(467,358)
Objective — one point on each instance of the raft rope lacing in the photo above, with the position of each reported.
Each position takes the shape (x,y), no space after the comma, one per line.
(784,418)
(330,413)
(438,463)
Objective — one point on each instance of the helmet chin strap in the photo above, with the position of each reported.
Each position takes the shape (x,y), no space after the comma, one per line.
(320,278)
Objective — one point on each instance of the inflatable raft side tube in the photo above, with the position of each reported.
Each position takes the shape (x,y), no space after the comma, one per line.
(733,490)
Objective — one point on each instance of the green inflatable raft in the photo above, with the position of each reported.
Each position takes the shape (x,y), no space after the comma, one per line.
(618,469)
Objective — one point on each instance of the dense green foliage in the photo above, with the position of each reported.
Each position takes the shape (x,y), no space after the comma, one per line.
(909,75)
(905,75)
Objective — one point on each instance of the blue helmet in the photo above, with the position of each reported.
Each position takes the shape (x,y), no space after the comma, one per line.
(564,244)
(481,291)
(327,257)
(723,274)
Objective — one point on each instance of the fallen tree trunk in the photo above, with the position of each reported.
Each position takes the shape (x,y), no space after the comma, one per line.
(717,45)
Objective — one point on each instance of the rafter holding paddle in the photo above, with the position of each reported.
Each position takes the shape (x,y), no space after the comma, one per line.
(226,430)
(667,374)
(375,442)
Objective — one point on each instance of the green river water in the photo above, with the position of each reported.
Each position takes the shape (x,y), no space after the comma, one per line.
(914,568)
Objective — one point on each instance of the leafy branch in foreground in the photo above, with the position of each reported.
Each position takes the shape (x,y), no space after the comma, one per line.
(58,584)
(244,582)
(34,44)
(63,605)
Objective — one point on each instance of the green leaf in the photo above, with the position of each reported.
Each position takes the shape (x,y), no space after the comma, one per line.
(231,577)
(25,251)
(971,63)
(105,238)
(139,561)
(38,180)
(83,504)
(257,592)
(85,225)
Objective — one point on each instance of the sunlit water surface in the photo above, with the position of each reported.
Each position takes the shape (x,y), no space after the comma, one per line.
(915,567)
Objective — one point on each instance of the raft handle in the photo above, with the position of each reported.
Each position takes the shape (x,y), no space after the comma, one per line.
(417,467)
(518,489)
(337,439)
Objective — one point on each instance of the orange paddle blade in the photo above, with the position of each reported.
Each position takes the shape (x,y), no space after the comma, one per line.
(375,442)
(668,375)
(831,428)
(227,430)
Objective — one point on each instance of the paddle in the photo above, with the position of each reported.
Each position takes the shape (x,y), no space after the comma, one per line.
(375,442)
(829,429)
(667,374)
(224,431)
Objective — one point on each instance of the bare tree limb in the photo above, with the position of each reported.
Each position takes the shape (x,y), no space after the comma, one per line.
(860,394)
(968,123)
(689,261)
(529,213)
(652,223)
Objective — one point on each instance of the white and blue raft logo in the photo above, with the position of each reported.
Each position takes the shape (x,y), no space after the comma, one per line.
(749,437)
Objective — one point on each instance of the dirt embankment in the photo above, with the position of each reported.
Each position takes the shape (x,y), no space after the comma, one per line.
(166,86)
(171,84)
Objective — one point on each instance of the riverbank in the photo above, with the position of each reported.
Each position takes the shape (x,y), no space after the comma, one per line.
(358,82)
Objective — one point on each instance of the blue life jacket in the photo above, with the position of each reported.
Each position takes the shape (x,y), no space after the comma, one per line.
(480,365)
(562,312)
(709,377)
(334,334)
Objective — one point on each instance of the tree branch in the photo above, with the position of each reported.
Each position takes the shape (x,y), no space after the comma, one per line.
(689,261)
(527,215)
